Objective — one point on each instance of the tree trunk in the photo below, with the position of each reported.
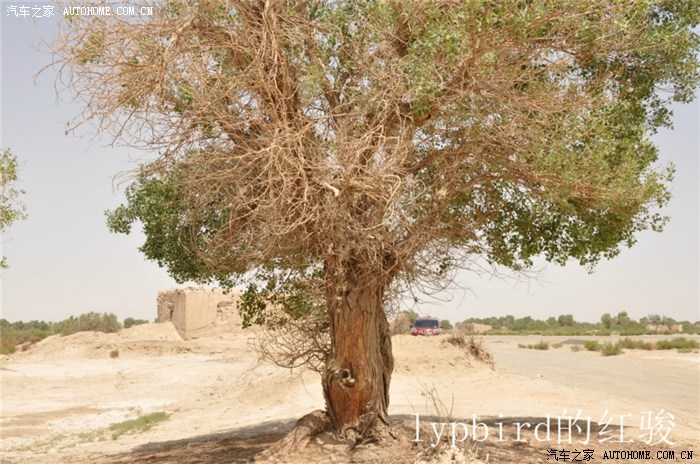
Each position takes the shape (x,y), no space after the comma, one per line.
(358,370)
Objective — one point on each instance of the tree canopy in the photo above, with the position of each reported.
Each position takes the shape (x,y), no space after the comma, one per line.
(10,209)
(347,146)
(414,131)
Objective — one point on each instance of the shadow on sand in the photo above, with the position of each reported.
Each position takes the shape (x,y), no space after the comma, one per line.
(241,445)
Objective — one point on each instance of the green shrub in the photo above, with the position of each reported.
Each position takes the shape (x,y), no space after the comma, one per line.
(541,345)
(633,330)
(678,343)
(629,344)
(663,345)
(92,321)
(130,322)
(7,346)
(575,348)
(592,345)
(681,343)
(26,334)
(611,349)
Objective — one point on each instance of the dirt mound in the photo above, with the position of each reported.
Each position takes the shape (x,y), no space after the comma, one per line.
(161,331)
(421,354)
(145,339)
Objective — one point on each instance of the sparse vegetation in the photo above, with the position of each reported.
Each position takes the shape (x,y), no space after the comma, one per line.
(678,343)
(92,321)
(575,348)
(541,345)
(565,324)
(471,345)
(591,345)
(23,335)
(114,354)
(681,344)
(630,344)
(130,322)
(611,349)
(140,424)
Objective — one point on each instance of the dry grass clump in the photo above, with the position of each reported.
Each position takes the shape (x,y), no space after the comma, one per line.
(444,453)
(541,345)
(472,345)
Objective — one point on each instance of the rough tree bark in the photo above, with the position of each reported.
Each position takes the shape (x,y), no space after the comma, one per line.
(358,371)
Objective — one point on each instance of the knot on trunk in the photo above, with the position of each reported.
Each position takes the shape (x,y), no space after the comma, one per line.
(345,377)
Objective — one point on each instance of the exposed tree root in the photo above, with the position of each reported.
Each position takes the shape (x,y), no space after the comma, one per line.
(304,430)
(312,436)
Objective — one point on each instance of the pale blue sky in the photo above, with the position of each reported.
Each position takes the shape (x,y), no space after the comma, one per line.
(63,261)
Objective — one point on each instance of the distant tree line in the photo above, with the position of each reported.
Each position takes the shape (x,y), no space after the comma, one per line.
(14,334)
(564,324)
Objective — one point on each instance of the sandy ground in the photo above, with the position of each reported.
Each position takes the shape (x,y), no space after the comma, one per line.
(60,397)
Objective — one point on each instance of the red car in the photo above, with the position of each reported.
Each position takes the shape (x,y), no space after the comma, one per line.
(426,326)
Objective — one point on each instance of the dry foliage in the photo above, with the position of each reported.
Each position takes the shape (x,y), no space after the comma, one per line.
(472,345)
(357,135)
(297,344)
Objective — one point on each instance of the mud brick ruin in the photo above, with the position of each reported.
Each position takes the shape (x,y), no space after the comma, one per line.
(199,312)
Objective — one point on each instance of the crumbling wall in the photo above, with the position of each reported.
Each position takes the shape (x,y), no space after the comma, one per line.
(199,312)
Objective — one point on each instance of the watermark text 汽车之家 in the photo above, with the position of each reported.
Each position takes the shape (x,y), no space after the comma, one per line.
(27,10)
(568,455)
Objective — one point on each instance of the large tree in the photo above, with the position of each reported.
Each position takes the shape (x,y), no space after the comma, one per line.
(350,146)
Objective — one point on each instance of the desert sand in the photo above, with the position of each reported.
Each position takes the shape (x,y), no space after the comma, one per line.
(60,396)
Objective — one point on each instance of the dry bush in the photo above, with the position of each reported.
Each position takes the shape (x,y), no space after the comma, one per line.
(443,452)
(472,345)
(434,402)
(297,344)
